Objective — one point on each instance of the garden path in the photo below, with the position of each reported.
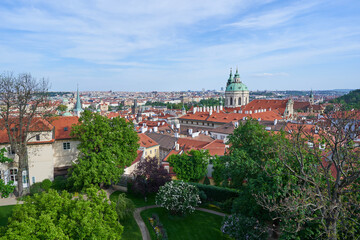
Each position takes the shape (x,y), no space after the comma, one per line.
(143,229)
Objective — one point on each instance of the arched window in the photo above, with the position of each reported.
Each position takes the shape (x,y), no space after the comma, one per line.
(234,101)
(231,101)
(239,101)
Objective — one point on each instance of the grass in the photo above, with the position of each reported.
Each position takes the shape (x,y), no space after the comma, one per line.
(138,200)
(131,229)
(5,213)
(199,225)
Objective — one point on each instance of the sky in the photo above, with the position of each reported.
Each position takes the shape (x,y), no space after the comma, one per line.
(165,45)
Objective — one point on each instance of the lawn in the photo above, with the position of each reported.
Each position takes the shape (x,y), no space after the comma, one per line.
(199,225)
(138,200)
(131,229)
(5,213)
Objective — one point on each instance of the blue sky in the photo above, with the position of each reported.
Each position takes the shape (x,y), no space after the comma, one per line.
(168,45)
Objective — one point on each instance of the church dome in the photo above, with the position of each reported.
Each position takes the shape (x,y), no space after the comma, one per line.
(236,86)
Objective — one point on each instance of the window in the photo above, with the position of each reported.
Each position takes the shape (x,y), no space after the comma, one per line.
(65,129)
(310,144)
(37,137)
(231,101)
(155,150)
(25,177)
(1,175)
(239,101)
(13,174)
(33,180)
(10,151)
(66,146)
(150,151)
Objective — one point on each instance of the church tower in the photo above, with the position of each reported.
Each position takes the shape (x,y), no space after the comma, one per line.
(236,93)
(78,109)
(311,98)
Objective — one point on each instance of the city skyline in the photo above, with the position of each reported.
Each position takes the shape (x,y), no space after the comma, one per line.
(165,46)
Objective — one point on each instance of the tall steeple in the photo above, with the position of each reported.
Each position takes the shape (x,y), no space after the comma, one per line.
(311,97)
(237,76)
(230,80)
(78,109)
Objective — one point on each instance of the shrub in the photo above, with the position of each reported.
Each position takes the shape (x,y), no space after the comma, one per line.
(178,197)
(214,193)
(46,184)
(124,207)
(59,183)
(36,188)
(203,196)
(241,227)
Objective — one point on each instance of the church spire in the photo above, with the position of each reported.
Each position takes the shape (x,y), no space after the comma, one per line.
(78,108)
(230,80)
(237,76)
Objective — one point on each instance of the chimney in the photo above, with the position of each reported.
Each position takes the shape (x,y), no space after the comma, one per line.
(177,147)
(155,129)
(211,111)
(221,107)
(275,122)
(195,109)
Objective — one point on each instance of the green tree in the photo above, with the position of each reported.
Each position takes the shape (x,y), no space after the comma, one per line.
(252,166)
(323,164)
(62,108)
(106,147)
(192,166)
(5,189)
(124,207)
(63,216)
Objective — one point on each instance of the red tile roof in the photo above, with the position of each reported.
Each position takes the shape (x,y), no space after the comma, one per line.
(275,105)
(63,126)
(146,141)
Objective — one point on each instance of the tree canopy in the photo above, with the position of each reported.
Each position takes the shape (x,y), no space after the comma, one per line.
(63,216)
(192,166)
(149,176)
(28,98)
(106,147)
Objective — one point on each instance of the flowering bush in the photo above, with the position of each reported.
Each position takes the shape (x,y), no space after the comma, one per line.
(241,227)
(178,197)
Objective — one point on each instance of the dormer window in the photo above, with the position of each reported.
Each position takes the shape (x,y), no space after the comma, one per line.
(37,137)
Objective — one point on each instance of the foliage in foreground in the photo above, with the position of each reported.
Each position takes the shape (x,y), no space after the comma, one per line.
(62,216)
(106,147)
(178,197)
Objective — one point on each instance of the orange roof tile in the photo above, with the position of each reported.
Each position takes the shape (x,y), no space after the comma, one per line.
(63,126)
(146,141)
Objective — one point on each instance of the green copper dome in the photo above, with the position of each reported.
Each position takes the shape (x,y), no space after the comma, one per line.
(236,86)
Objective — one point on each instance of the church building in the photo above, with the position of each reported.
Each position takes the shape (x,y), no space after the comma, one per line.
(236,93)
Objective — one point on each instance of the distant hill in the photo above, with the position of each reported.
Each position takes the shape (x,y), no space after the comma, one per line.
(350,100)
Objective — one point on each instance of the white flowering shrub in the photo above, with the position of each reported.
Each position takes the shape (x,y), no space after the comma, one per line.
(178,197)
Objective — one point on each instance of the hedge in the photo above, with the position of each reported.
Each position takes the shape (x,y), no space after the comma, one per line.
(214,193)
